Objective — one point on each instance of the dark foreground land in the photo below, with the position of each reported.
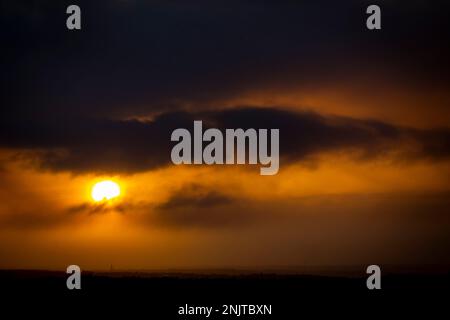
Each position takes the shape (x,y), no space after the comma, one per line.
(160,295)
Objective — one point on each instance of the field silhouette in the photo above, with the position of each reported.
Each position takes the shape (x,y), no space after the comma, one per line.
(158,294)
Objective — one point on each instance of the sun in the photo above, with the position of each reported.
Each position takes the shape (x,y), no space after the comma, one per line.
(105,190)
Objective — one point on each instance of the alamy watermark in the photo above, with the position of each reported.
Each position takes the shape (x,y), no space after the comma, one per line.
(74,280)
(73,21)
(235,147)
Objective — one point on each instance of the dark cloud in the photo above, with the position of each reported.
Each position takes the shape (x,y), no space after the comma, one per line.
(198,206)
(64,91)
(87,145)
(101,207)
(137,57)
(434,143)
(193,205)
(197,197)
(211,216)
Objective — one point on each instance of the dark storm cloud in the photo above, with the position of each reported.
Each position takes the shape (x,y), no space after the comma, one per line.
(61,90)
(87,145)
(135,57)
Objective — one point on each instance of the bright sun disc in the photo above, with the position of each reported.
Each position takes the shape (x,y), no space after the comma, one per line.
(105,190)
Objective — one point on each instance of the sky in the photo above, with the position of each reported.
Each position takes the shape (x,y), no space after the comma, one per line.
(364,119)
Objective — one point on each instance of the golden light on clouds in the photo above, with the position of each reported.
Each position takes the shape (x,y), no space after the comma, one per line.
(302,207)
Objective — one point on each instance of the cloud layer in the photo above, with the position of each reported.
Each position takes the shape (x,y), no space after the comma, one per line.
(90,145)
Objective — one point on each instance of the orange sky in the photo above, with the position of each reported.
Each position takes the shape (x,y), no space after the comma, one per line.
(336,211)
(364,135)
